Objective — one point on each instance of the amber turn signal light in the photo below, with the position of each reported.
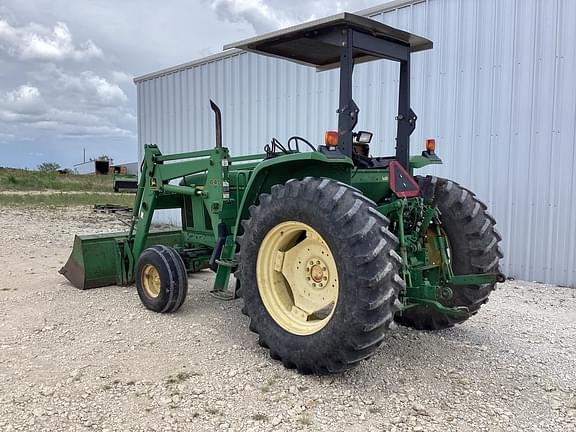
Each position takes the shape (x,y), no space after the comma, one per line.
(430,145)
(331,138)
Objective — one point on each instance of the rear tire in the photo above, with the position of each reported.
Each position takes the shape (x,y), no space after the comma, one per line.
(161,279)
(474,248)
(356,237)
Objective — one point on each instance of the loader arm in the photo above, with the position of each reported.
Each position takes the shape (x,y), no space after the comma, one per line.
(155,191)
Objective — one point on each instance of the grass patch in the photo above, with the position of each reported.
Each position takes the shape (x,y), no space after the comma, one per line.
(305,419)
(267,386)
(181,377)
(259,417)
(65,200)
(24,180)
(213,411)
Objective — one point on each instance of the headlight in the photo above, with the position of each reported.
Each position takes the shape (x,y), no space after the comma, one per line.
(363,137)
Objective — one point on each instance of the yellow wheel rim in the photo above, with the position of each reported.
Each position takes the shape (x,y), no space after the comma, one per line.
(297,278)
(151,281)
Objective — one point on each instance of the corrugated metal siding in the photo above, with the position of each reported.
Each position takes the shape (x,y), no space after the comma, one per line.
(497,92)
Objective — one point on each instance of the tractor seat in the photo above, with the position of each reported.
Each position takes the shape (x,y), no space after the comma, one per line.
(371,162)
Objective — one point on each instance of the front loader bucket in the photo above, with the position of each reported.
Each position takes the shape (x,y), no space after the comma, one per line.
(96,259)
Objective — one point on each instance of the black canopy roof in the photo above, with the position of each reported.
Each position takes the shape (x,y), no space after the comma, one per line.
(310,44)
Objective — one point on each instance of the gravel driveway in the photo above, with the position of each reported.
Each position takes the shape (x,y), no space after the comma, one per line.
(98,361)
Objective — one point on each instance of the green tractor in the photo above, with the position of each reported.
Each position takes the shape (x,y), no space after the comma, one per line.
(329,246)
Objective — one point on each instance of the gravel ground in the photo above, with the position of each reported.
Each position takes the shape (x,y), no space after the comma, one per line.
(98,361)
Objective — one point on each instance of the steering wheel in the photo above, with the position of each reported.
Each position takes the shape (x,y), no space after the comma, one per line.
(297,138)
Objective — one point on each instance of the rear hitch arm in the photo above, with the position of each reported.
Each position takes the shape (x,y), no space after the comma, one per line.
(477,279)
(456,311)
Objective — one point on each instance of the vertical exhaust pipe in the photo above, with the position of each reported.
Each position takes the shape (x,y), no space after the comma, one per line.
(218,118)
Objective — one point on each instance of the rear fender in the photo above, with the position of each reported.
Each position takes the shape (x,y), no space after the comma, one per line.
(280,169)
(420,161)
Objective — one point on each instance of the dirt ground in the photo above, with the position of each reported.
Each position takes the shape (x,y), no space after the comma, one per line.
(96,360)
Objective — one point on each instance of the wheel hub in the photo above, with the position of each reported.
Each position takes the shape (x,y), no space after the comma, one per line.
(297,278)
(151,280)
(317,273)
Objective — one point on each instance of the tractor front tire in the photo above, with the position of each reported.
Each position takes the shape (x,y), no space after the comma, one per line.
(473,248)
(161,279)
(319,274)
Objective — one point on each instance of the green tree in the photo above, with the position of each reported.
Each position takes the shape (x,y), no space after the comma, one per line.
(48,167)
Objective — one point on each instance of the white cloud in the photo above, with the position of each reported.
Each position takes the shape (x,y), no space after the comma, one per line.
(6,137)
(85,88)
(122,77)
(256,12)
(268,15)
(130,117)
(38,42)
(26,107)
(76,130)
(25,99)
(106,92)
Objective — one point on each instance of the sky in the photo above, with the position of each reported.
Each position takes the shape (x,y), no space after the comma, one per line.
(67,67)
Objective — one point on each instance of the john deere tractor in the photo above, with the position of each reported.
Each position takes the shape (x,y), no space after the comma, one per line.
(328,244)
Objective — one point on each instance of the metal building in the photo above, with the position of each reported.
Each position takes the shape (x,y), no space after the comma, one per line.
(497,92)
(98,167)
